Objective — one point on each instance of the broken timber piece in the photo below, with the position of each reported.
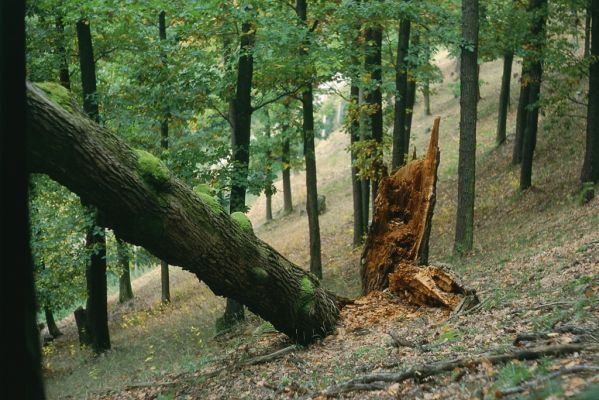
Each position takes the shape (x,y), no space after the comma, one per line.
(396,251)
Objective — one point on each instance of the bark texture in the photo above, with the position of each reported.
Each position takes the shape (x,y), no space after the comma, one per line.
(310,157)
(401,96)
(504,97)
(464,231)
(173,223)
(125,289)
(521,114)
(359,230)
(537,44)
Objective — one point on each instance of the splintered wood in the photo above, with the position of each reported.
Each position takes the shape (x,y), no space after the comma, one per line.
(396,250)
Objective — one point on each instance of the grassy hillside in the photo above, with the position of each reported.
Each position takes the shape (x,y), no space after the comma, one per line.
(535,266)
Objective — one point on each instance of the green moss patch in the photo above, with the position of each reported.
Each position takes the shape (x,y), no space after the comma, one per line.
(204,188)
(210,201)
(151,169)
(305,303)
(58,94)
(243,221)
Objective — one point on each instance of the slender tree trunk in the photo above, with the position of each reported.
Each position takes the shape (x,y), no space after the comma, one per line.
(355,180)
(286,160)
(20,343)
(240,142)
(521,113)
(364,182)
(587,31)
(468,116)
(504,97)
(529,139)
(269,184)
(125,289)
(372,64)
(426,94)
(301,7)
(401,97)
(590,168)
(173,223)
(411,92)
(65,78)
(97,310)
(51,323)
(164,275)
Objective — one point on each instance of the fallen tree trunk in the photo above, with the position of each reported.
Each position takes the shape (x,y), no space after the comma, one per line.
(397,244)
(145,205)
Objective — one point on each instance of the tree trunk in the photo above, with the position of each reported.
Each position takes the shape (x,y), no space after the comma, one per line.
(269,184)
(529,140)
(164,276)
(468,116)
(240,142)
(63,72)
(374,99)
(96,305)
(426,94)
(364,182)
(504,97)
(51,323)
(590,168)
(355,180)
(20,344)
(169,220)
(401,96)
(521,114)
(411,93)
(123,260)
(286,159)
(301,7)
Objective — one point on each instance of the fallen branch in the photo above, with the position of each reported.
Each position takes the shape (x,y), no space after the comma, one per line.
(425,370)
(532,336)
(536,382)
(271,356)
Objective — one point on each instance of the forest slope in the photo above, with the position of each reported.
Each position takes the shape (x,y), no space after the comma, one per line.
(535,266)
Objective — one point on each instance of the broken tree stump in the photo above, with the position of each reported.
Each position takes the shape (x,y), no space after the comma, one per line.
(396,252)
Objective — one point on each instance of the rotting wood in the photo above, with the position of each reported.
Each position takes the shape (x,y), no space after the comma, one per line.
(373,381)
(396,251)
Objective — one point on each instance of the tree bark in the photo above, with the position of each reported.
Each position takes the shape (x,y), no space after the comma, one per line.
(164,275)
(590,168)
(51,323)
(174,224)
(364,182)
(355,180)
(521,114)
(411,92)
(401,96)
(240,142)
(529,140)
(587,30)
(123,260)
(96,305)
(504,97)
(374,100)
(468,117)
(269,184)
(310,156)
(286,160)
(426,94)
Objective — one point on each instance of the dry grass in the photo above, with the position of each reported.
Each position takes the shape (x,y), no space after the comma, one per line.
(531,249)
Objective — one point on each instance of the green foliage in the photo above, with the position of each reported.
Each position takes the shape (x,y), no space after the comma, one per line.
(152,170)
(243,221)
(58,94)
(305,303)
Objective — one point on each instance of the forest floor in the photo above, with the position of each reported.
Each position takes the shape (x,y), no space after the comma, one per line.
(535,267)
